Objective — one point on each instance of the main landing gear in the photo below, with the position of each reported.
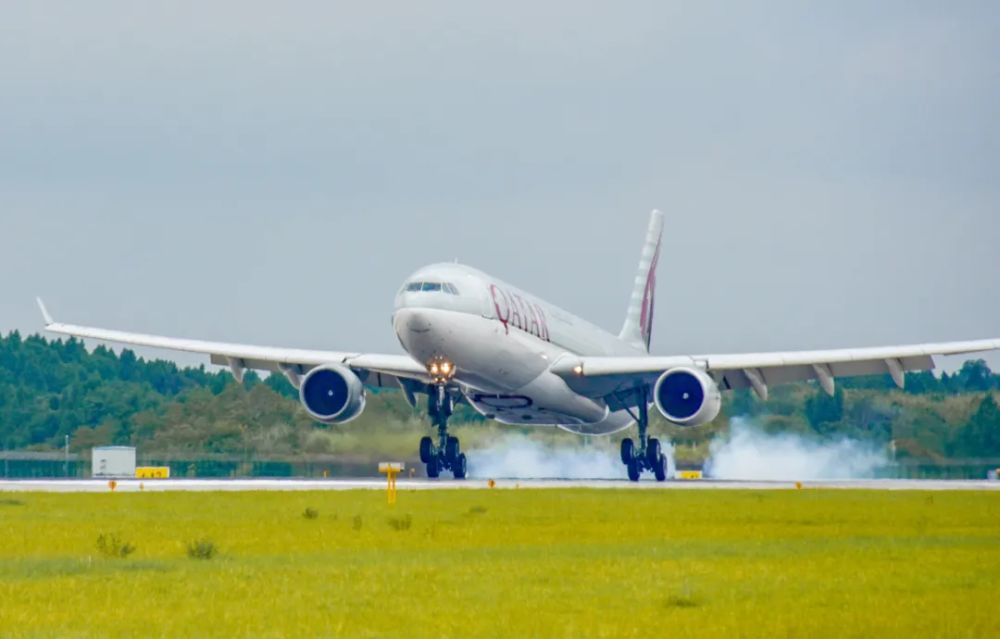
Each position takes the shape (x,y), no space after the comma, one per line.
(447,455)
(647,455)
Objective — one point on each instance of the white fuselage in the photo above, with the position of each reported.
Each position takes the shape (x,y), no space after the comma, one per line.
(502,342)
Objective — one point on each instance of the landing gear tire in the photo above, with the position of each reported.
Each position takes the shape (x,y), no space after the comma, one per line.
(653,452)
(628,446)
(426,449)
(660,468)
(647,454)
(452,450)
(633,469)
(444,453)
(458,466)
(433,469)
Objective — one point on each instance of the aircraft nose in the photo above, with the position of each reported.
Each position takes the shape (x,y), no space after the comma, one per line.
(418,322)
(412,321)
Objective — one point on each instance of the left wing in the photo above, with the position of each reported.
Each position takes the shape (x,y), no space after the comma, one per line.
(606,376)
(398,371)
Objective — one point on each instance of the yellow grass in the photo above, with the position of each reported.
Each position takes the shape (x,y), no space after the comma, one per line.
(552,563)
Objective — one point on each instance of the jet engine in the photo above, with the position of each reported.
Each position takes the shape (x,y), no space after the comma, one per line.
(687,397)
(332,394)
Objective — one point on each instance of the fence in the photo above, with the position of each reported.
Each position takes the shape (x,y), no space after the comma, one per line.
(25,465)
(38,465)
(977,468)
(34,465)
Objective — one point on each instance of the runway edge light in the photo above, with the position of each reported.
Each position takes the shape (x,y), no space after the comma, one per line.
(391,469)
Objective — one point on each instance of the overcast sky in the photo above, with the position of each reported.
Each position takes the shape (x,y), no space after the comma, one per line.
(271,172)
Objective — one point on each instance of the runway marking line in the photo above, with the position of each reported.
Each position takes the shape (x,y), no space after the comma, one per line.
(224,485)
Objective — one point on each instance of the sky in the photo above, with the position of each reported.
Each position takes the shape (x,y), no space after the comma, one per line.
(271,172)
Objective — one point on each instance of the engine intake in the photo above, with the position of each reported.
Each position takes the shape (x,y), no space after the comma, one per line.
(332,394)
(687,397)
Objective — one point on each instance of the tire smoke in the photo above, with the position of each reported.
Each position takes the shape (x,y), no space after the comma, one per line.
(519,457)
(749,453)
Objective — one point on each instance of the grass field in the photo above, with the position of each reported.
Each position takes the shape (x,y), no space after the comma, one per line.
(547,563)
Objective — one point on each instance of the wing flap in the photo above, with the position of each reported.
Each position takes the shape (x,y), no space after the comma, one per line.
(775,375)
(847,355)
(608,376)
(229,350)
(374,369)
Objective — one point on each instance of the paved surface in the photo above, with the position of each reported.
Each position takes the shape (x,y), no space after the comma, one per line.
(159,485)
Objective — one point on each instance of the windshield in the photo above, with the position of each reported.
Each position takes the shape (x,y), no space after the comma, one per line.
(431,287)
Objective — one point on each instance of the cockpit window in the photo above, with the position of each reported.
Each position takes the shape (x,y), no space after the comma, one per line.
(432,287)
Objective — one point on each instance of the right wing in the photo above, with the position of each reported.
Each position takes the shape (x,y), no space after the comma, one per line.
(399,371)
(612,377)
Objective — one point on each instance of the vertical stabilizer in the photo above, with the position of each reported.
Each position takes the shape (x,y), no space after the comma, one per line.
(638,326)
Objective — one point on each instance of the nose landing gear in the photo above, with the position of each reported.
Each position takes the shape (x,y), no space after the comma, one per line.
(447,454)
(648,454)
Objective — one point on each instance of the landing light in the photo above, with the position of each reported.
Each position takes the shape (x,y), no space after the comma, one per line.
(440,370)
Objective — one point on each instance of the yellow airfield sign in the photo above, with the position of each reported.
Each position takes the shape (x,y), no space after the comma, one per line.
(152,472)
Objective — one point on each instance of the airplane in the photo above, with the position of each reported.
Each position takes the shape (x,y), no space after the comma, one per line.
(514,358)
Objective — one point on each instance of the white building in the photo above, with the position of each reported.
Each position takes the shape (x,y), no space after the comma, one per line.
(113,461)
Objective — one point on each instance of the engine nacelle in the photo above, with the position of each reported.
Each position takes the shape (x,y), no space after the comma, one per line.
(332,394)
(687,397)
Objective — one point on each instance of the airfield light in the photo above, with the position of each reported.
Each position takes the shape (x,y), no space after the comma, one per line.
(391,469)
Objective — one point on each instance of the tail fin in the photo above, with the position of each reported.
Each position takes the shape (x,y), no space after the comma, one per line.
(638,326)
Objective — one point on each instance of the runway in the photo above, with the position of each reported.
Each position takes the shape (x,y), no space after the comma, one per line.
(232,485)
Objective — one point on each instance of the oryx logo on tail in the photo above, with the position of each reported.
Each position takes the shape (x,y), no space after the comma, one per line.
(649,300)
(638,327)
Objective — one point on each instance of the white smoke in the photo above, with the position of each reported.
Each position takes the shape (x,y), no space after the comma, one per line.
(518,457)
(749,453)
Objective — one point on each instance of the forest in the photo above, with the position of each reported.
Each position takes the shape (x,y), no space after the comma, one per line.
(51,389)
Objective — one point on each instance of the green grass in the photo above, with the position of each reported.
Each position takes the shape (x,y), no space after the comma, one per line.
(549,563)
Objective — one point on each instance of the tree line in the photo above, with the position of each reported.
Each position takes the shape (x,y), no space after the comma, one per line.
(50,389)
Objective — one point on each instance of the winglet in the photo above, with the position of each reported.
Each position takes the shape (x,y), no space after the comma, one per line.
(45,312)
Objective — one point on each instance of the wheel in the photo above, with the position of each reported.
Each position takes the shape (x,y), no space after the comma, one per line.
(426,449)
(628,446)
(458,466)
(633,469)
(652,452)
(451,449)
(660,468)
(433,468)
